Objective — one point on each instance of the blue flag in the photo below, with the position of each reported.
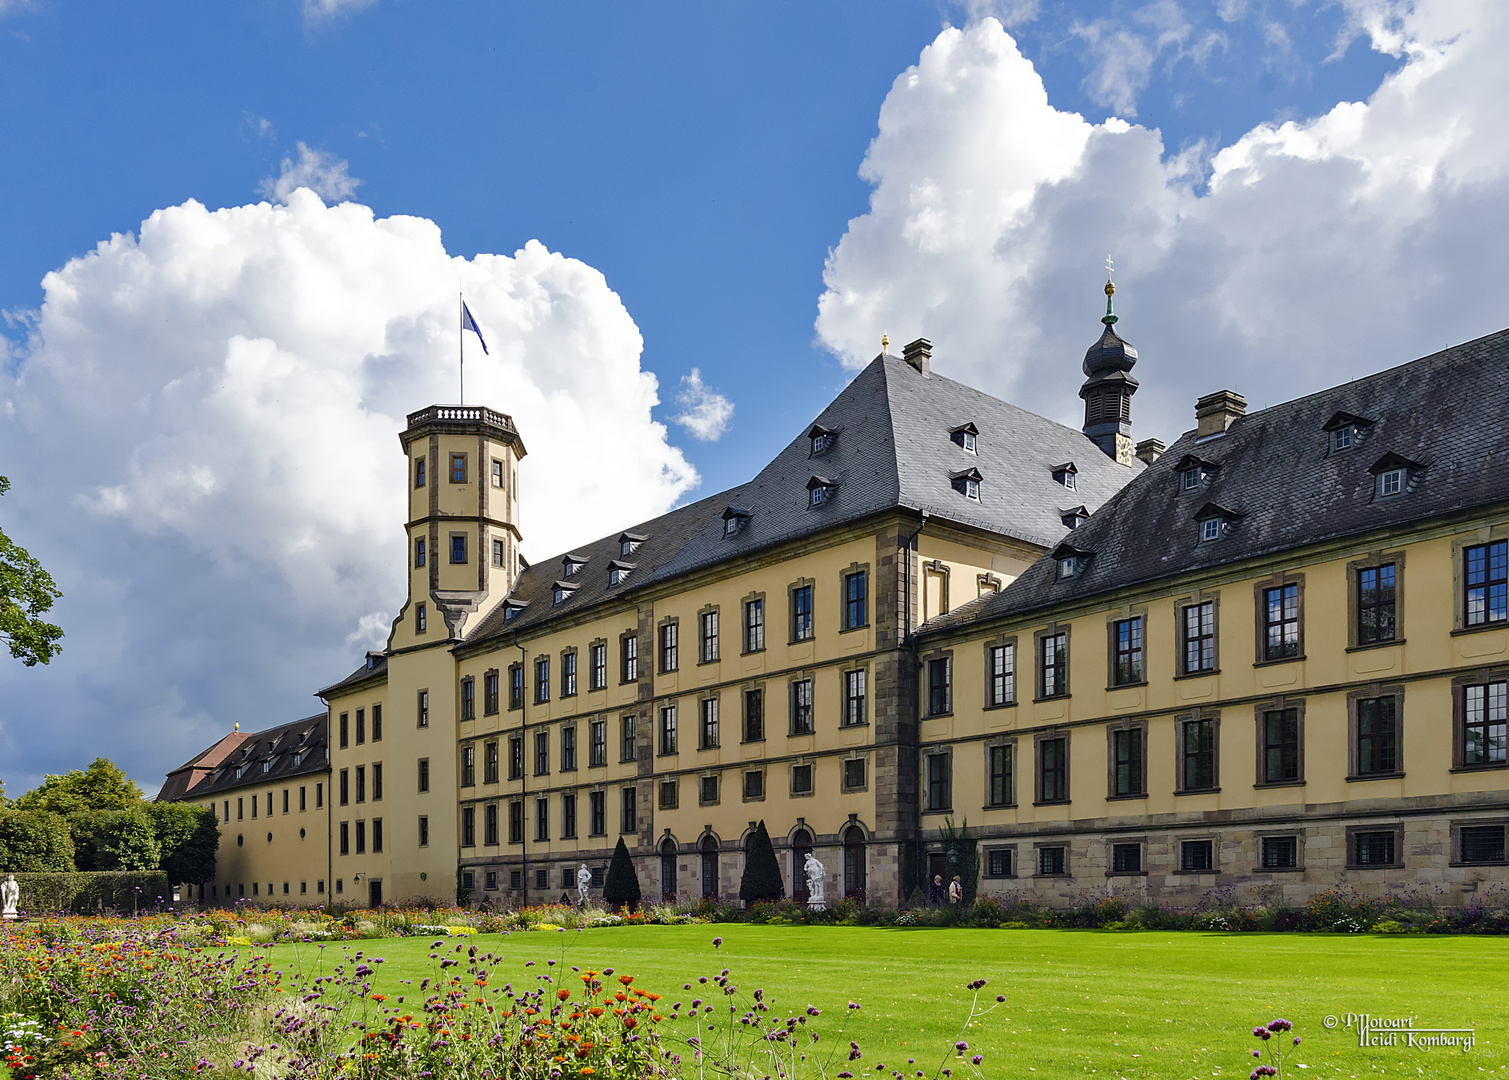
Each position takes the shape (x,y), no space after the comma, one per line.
(469,323)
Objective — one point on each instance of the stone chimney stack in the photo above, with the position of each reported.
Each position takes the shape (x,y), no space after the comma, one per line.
(920,355)
(1149,450)
(1214,413)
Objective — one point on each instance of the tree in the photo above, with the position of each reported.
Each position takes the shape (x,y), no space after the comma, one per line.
(102,786)
(189,837)
(762,874)
(26,594)
(127,842)
(621,888)
(34,842)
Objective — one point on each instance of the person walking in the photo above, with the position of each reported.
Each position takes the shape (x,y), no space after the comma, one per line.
(937,893)
(956,891)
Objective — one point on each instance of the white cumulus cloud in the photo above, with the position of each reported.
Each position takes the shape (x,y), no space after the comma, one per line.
(705,413)
(316,11)
(324,174)
(1317,251)
(202,428)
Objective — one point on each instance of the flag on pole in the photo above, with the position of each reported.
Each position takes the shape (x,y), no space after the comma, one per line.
(469,323)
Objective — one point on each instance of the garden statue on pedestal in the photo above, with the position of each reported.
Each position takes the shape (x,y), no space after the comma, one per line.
(10,896)
(817,875)
(583,883)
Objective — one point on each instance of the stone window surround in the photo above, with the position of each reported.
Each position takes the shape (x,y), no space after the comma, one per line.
(1016,670)
(1112,843)
(1196,598)
(702,612)
(808,761)
(1038,666)
(791,590)
(709,774)
(843,694)
(843,596)
(1215,854)
(792,681)
(706,696)
(843,772)
(744,789)
(988,583)
(1124,614)
(945,751)
(1372,561)
(1299,851)
(985,851)
(942,571)
(571,650)
(668,785)
(638,656)
(1260,615)
(1456,840)
(661,653)
(491,677)
(1395,827)
(1485,535)
(1213,714)
(592,645)
(925,684)
(1111,730)
(1260,711)
(1008,741)
(1038,738)
(1496,673)
(1037,847)
(576,745)
(1375,690)
(517,666)
(744,603)
(744,691)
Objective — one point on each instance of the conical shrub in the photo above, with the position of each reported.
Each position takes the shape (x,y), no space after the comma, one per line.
(621,887)
(762,874)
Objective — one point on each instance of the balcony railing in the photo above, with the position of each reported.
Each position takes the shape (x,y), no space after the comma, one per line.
(476,414)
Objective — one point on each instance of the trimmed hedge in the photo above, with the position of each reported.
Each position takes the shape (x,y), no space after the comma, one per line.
(83,892)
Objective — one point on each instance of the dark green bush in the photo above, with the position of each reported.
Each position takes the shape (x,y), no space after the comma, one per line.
(34,841)
(621,886)
(762,874)
(81,892)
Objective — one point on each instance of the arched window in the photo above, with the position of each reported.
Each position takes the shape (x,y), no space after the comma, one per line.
(801,844)
(668,869)
(709,868)
(854,864)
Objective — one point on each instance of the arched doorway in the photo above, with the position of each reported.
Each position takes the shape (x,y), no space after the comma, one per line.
(668,869)
(801,845)
(854,864)
(709,868)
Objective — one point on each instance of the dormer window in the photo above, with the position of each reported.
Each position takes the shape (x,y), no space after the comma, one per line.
(617,571)
(1341,439)
(1192,477)
(1070,561)
(1210,529)
(967,483)
(1074,517)
(512,609)
(820,490)
(822,439)
(734,520)
(1214,521)
(562,592)
(1392,475)
(571,564)
(1064,474)
(1194,473)
(628,543)
(964,437)
(1346,430)
(1068,566)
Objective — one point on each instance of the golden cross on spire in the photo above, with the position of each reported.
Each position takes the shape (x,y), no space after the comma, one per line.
(1108,268)
(885,343)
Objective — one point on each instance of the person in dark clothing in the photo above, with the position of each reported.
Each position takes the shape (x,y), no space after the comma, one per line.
(937,894)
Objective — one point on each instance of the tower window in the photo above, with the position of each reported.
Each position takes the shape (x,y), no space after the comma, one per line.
(497,473)
(498,552)
(458,468)
(458,547)
(419,472)
(419,618)
(419,552)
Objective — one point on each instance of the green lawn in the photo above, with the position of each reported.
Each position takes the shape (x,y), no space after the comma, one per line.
(1077,1002)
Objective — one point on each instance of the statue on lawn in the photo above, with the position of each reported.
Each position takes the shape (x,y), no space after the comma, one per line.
(583,883)
(817,876)
(10,896)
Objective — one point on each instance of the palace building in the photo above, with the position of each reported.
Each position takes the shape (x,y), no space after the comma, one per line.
(1113,667)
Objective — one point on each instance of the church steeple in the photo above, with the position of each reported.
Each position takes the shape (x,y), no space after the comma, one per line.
(1109,386)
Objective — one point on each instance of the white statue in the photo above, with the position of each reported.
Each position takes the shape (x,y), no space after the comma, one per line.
(583,883)
(10,896)
(817,876)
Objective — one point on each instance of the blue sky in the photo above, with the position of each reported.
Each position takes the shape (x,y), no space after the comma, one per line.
(706,161)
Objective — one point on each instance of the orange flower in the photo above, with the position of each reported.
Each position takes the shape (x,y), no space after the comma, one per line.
(626,979)
(563,993)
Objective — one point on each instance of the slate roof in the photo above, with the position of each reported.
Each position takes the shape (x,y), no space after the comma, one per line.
(276,747)
(1282,488)
(375,667)
(892,450)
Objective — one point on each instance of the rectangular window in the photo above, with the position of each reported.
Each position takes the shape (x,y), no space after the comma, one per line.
(490,693)
(516,686)
(1281,757)
(597,811)
(1486,581)
(668,730)
(856,600)
(1373,848)
(1128,667)
(419,472)
(754,715)
(709,726)
(515,822)
(939,782)
(376,835)
(303,798)
(1483,723)
(568,749)
(854,698)
(419,553)
(801,613)
(801,779)
(754,784)
(599,751)
(669,650)
(1482,843)
(1376,596)
(998,778)
(854,774)
(497,467)
(542,753)
(424,774)
(630,803)
(542,680)
(361,837)
(568,815)
(1197,856)
(630,738)
(458,468)
(1052,861)
(1126,762)
(1199,638)
(422,709)
(377,723)
(1126,858)
(1197,754)
(319,796)
(754,625)
(468,699)
(598,659)
(468,766)
(708,793)
(1054,664)
(1377,736)
(568,674)
(420,620)
(345,838)
(499,552)
(940,693)
(255,802)
(515,757)
(361,726)
(424,830)
(629,659)
(345,730)
(541,820)
(490,762)
(1280,852)
(458,548)
(998,862)
(1001,689)
(707,637)
(1053,768)
(1281,622)
(376,786)
(669,794)
(801,707)
(345,792)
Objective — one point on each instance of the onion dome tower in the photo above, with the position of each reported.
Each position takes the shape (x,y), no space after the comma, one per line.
(1109,386)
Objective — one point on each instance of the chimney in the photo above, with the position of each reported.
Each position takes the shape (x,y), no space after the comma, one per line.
(1214,413)
(919,354)
(1149,450)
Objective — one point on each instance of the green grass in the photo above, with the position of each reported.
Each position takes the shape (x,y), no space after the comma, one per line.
(1078,1003)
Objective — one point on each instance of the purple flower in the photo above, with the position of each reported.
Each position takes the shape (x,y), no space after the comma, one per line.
(1280,1025)
(717,943)
(977,1059)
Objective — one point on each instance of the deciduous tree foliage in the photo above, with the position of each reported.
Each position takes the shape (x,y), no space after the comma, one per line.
(26,594)
(33,842)
(762,873)
(102,786)
(189,837)
(621,887)
(115,840)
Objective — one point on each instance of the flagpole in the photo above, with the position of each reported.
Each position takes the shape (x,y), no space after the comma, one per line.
(461,341)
